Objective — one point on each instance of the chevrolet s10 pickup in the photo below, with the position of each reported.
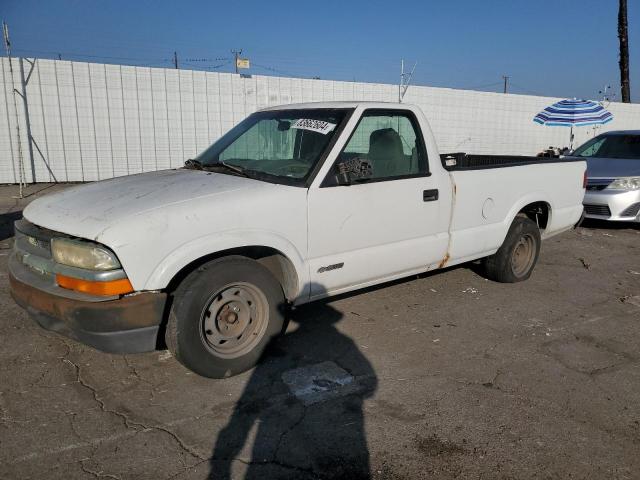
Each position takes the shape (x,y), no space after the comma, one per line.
(293,204)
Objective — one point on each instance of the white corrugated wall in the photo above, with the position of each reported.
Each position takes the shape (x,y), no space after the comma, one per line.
(94,121)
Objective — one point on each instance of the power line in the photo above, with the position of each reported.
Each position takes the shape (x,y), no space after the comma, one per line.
(480,87)
(160,46)
(208,67)
(219,59)
(218,62)
(149,61)
(84,55)
(530,92)
(275,70)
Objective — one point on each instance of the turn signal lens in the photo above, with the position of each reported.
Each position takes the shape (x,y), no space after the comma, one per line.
(584,180)
(112,287)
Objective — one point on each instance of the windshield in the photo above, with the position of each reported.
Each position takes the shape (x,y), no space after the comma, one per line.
(611,146)
(284,144)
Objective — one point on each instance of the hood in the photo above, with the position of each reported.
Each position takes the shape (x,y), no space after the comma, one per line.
(86,210)
(612,167)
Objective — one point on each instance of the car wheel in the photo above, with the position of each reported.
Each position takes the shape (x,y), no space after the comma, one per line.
(515,259)
(223,316)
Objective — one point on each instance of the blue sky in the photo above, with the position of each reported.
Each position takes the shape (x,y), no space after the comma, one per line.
(562,48)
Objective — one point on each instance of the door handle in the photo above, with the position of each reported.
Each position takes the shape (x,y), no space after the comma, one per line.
(430,195)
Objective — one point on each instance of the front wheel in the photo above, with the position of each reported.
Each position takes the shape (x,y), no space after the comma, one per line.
(223,316)
(515,259)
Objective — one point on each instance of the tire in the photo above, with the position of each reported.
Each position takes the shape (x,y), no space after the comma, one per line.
(223,316)
(516,258)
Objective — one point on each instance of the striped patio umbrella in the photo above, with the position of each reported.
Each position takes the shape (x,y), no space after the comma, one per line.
(570,113)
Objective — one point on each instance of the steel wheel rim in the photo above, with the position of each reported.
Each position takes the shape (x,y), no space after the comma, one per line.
(523,254)
(234,320)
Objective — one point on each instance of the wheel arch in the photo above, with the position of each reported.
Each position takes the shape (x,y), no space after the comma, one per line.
(539,212)
(528,205)
(279,264)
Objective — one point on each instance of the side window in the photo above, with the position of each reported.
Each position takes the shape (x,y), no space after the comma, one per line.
(391,144)
(592,149)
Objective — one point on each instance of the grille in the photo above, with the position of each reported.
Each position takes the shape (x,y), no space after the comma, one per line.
(38,242)
(32,239)
(602,210)
(631,211)
(598,184)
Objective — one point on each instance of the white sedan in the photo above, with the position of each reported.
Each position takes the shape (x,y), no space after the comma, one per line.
(613,171)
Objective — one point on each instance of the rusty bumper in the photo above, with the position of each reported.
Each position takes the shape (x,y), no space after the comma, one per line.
(129,324)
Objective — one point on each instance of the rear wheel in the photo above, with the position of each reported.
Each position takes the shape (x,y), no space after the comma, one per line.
(223,316)
(515,259)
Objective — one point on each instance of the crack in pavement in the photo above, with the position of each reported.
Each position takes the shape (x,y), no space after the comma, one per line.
(72,424)
(132,368)
(96,474)
(128,423)
(94,442)
(289,430)
(149,385)
(564,406)
(186,469)
(47,473)
(308,471)
(212,475)
(274,460)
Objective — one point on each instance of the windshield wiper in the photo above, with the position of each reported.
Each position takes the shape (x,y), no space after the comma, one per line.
(193,164)
(198,165)
(234,168)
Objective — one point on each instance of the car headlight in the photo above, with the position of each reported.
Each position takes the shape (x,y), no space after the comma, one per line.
(83,254)
(626,183)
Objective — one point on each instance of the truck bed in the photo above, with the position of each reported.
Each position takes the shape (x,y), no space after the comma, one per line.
(487,196)
(461,161)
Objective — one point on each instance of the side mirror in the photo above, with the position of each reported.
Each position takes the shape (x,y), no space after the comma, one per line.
(354,170)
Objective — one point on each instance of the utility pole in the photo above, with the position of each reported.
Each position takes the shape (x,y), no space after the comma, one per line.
(236,55)
(506,80)
(623,35)
(175,60)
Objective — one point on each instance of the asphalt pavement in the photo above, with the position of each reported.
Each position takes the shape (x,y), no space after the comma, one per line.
(444,375)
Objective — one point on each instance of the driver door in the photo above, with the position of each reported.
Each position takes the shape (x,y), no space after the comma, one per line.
(392,225)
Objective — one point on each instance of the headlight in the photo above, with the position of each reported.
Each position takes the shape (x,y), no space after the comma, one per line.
(82,254)
(627,183)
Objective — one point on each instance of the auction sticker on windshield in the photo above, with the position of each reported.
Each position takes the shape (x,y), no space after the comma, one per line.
(319,126)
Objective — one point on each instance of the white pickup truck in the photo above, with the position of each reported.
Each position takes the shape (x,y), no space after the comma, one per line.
(293,204)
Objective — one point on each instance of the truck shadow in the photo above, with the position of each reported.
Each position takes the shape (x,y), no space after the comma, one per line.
(301,412)
(592,223)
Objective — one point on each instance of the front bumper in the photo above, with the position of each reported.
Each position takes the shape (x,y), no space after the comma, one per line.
(128,324)
(616,205)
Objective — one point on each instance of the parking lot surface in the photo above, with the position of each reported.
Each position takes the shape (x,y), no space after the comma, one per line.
(445,375)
